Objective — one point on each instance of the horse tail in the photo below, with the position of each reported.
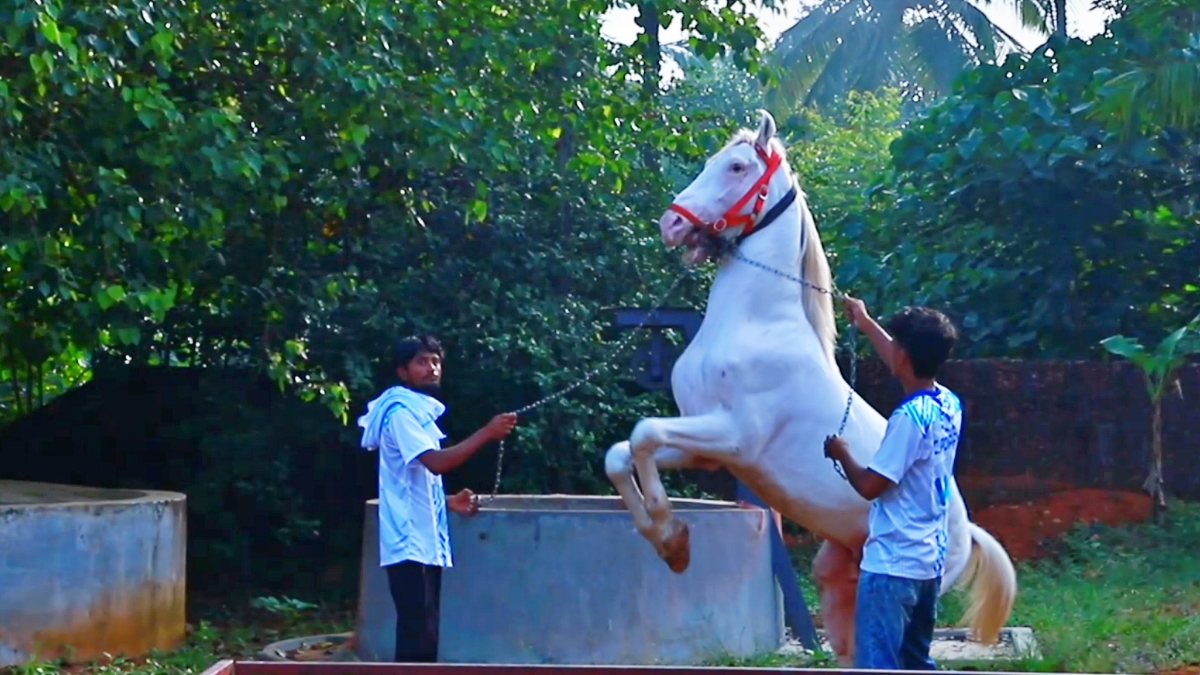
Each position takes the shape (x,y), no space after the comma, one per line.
(991,580)
(814,268)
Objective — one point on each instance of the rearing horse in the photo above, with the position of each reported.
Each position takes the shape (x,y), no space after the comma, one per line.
(758,391)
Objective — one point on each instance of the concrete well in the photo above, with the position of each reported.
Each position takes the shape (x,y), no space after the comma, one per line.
(86,571)
(568,580)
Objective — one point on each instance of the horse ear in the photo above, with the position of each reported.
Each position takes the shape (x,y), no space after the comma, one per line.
(766,130)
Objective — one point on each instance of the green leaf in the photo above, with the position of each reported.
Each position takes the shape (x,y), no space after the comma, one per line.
(968,145)
(110,296)
(359,134)
(1123,346)
(129,335)
(49,29)
(479,209)
(1165,353)
(163,43)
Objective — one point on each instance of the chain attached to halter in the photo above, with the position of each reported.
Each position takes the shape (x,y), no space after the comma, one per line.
(834,293)
(588,375)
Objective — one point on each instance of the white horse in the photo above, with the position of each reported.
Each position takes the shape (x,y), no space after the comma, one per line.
(758,391)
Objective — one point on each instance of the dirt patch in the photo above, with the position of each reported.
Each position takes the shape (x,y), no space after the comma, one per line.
(1190,669)
(1025,529)
(983,491)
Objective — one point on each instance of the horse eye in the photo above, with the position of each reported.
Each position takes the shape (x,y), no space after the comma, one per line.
(737,167)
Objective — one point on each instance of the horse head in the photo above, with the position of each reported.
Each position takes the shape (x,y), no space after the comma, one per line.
(726,201)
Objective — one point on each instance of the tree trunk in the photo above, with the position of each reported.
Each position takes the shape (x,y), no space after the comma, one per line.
(565,150)
(1156,478)
(648,19)
(1060,17)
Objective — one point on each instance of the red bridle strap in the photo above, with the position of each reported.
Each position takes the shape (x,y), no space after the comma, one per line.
(733,217)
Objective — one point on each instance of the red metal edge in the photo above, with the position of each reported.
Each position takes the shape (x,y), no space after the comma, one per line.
(223,667)
(360,668)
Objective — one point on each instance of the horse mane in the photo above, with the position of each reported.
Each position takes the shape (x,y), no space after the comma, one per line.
(814,265)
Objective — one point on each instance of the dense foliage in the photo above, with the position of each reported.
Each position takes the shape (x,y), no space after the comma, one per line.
(286,189)
(1055,228)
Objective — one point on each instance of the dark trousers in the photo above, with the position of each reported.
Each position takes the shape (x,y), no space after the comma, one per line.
(893,622)
(416,592)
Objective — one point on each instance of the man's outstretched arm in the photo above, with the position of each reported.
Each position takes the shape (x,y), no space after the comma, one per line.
(447,459)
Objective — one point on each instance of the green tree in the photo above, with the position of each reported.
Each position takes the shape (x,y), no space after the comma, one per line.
(286,189)
(1158,84)
(918,46)
(189,184)
(1158,367)
(1061,230)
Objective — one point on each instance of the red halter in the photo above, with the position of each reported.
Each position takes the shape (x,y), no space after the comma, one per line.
(732,218)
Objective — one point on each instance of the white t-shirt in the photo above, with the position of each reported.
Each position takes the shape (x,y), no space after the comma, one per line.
(907,523)
(412,501)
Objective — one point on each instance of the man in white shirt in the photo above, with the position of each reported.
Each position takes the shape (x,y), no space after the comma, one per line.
(414,540)
(908,482)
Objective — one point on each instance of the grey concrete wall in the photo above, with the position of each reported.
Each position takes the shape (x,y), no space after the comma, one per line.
(85,571)
(569,580)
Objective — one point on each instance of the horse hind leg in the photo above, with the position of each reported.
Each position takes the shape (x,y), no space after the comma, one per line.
(835,571)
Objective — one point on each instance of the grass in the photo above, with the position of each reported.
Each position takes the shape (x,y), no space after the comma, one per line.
(1111,600)
(1118,599)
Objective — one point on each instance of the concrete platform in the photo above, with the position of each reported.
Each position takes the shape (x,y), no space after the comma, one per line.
(86,571)
(568,580)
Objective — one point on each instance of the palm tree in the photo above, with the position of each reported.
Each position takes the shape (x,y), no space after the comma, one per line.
(1158,86)
(1057,11)
(918,46)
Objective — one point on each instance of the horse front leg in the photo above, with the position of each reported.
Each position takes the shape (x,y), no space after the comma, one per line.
(618,464)
(711,439)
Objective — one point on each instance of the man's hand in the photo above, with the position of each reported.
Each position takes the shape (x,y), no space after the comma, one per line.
(856,311)
(837,449)
(500,426)
(464,502)
(866,482)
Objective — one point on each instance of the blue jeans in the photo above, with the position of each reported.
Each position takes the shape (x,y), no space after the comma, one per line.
(893,622)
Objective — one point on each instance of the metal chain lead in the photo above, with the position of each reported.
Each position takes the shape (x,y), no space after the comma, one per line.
(588,375)
(849,397)
(832,292)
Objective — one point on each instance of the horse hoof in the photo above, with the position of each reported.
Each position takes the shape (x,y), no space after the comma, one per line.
(676,549)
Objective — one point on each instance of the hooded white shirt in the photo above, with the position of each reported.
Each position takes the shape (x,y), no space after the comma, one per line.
(402,424)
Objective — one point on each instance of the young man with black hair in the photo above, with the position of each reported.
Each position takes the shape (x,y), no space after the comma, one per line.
(414,540)
(908,482)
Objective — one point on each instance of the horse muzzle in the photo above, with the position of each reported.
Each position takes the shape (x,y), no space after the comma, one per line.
(675,229)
